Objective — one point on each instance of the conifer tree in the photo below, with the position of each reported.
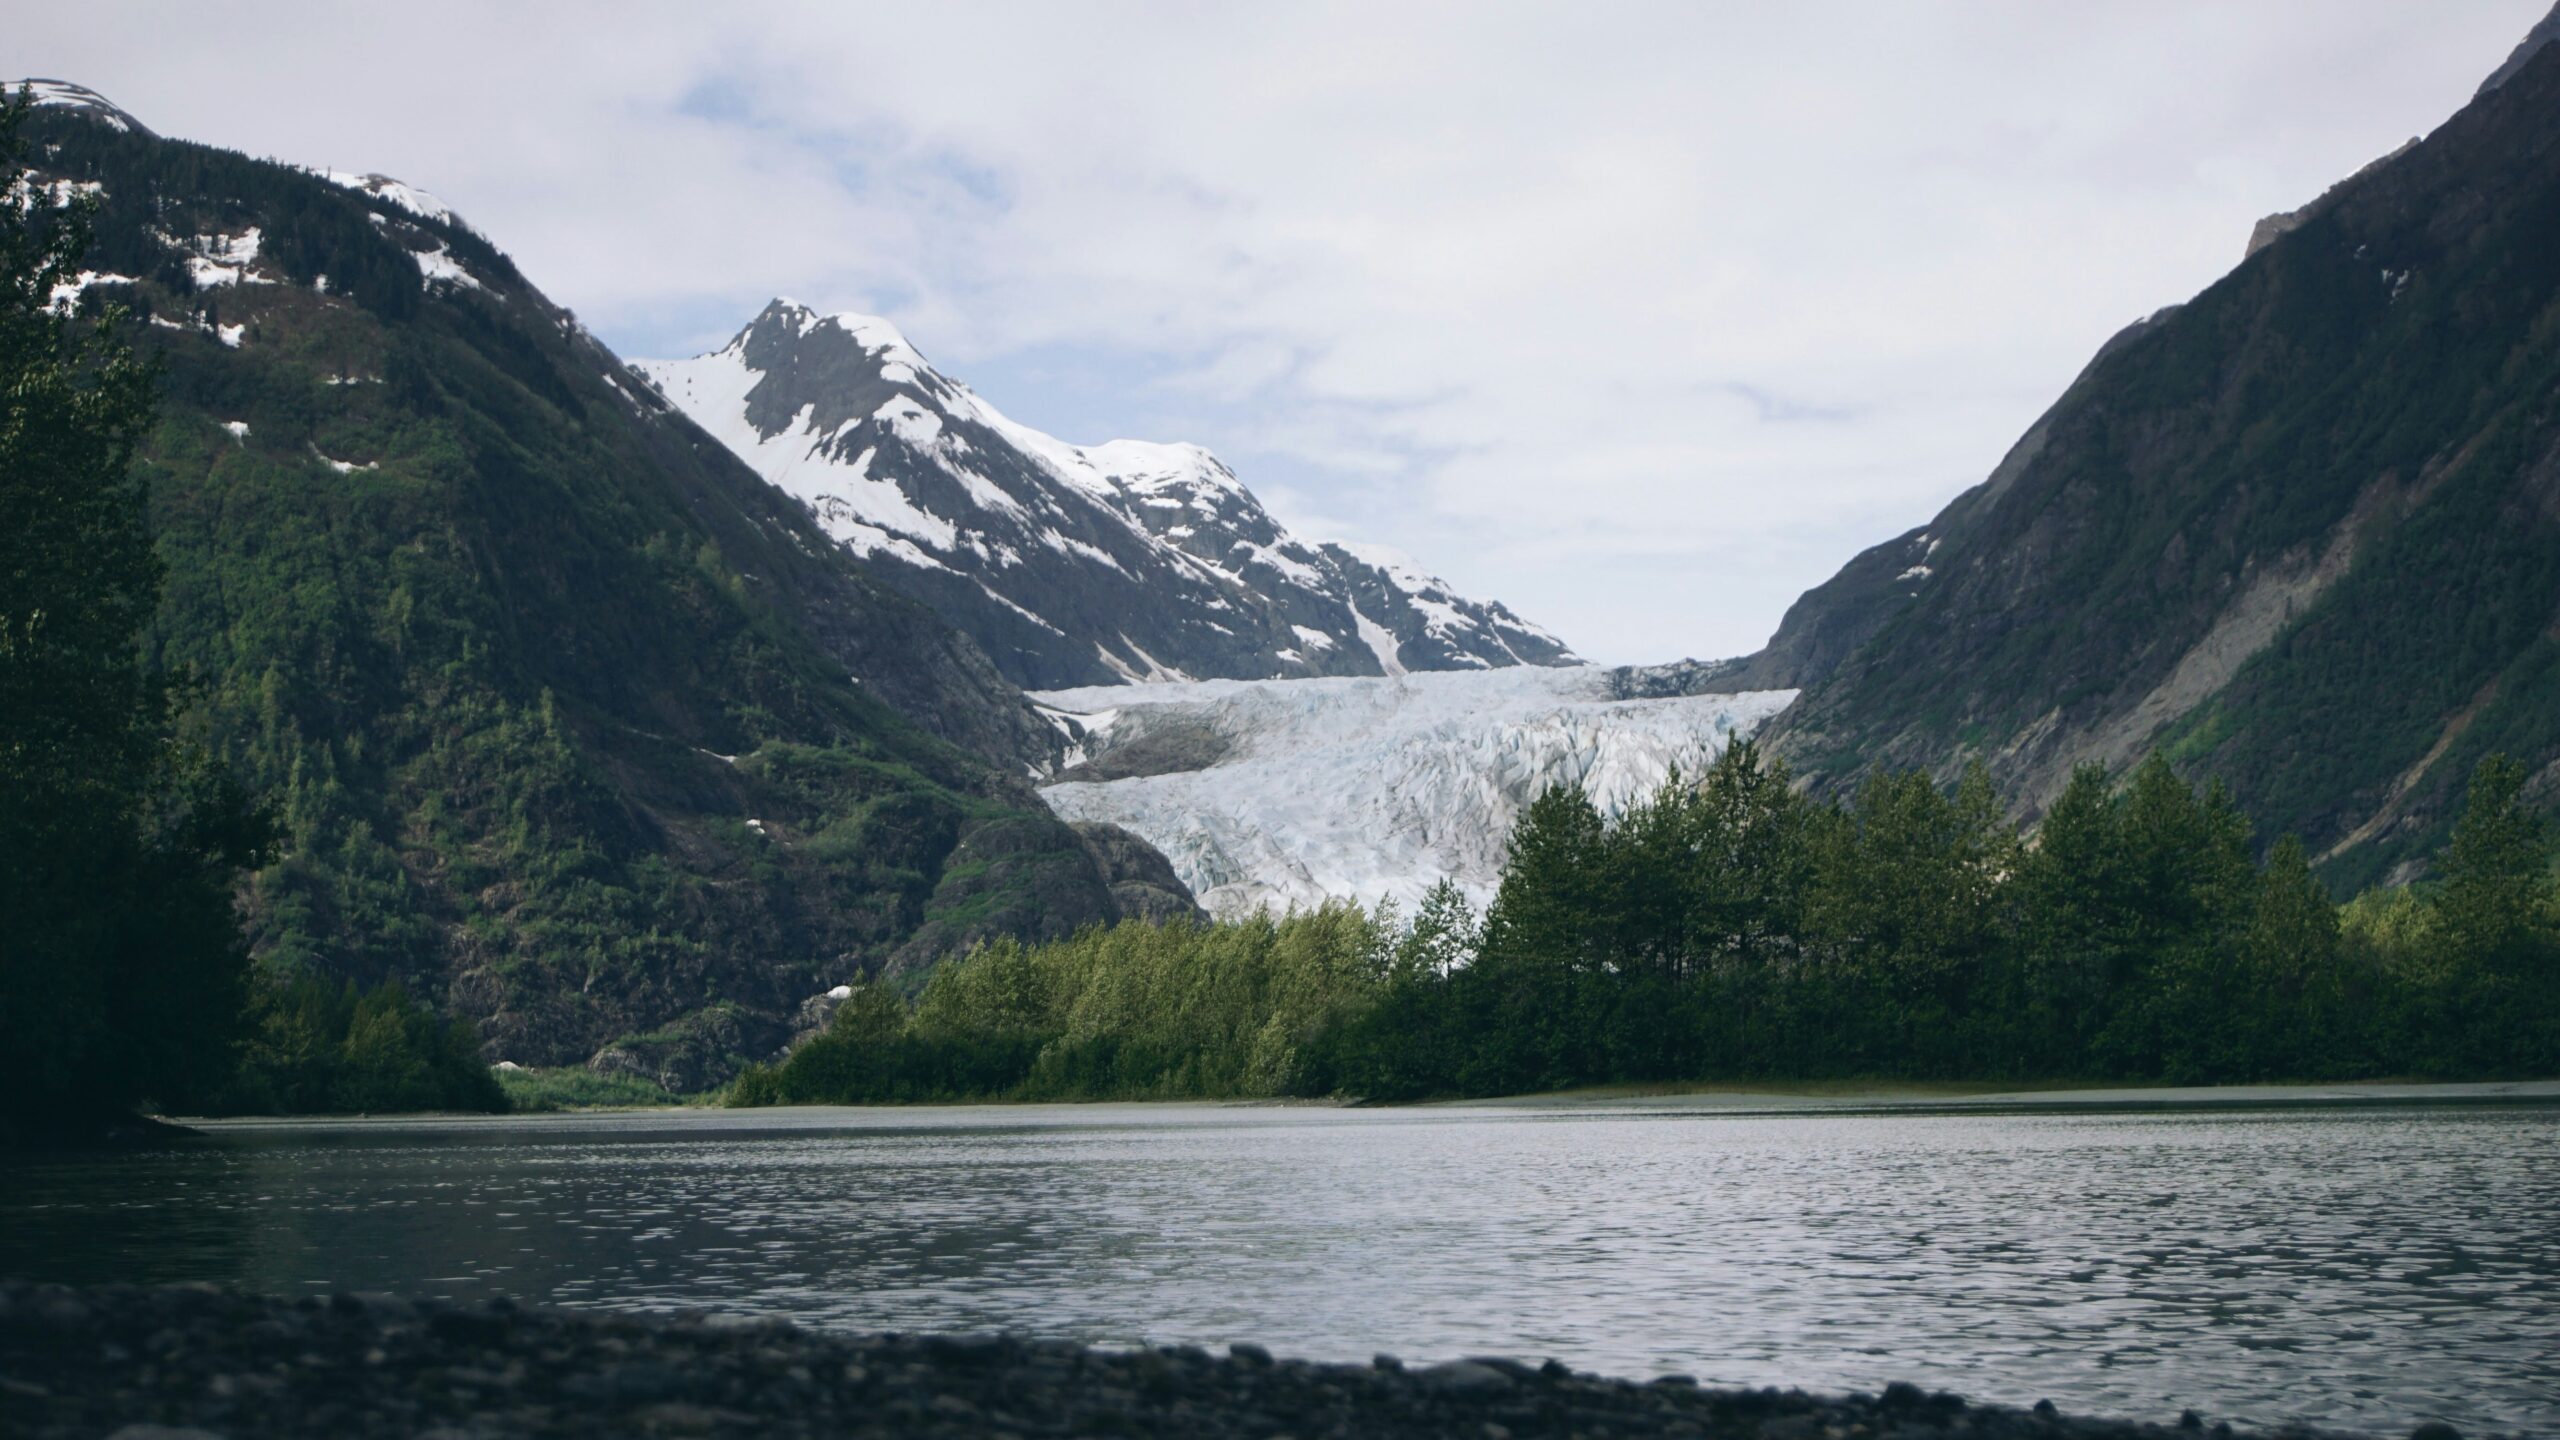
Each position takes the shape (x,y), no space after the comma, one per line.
(1442,938)
(2497,894)
(2498,916)
(2296,993)
(1540,954)
(121,966)
(2077,924)
(1754,857)
(2175,984)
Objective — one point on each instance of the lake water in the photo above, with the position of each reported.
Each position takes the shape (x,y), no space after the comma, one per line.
(2360,1268)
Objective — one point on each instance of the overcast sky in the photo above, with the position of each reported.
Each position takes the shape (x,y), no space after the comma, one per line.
(1639,317)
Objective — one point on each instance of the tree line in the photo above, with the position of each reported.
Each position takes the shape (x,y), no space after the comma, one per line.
(1735,928)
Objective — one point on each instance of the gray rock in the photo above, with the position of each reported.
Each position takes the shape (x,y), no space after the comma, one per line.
(1463,1377)
(297,1369)
(2544,31)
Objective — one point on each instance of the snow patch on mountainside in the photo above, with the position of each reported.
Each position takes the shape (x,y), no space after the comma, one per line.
(439,265)
(1370,788)
(65,296)
(867,514)
(65,95)
(219,260)
(408,197)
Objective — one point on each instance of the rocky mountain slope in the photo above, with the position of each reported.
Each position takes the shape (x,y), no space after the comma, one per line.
(575,724)
(1069,565)
(2302,532)
(1276,793)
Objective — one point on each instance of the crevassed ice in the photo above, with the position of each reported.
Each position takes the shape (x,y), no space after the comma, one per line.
(1371,788)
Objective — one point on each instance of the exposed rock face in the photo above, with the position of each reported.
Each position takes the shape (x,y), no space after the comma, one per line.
(1146,741)
(1143,883)
(703,1050)
(1070,565)
(2285,222)
(2545,30)
(1679,677)
(813,1017)
(2300,533)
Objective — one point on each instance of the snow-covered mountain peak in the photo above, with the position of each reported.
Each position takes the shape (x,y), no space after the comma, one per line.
(876,337)
(63,94)
(1070,564)
(1146,467)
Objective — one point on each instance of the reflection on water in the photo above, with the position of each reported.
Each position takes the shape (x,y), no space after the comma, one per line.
(2355,1268)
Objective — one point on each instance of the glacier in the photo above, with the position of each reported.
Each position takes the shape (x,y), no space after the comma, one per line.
(1269,794)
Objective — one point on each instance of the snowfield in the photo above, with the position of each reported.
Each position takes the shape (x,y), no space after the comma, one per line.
(1371,788)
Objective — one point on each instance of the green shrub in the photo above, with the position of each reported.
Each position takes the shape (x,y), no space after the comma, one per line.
(318,1048)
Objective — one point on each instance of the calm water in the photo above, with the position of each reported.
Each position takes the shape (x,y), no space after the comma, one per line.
(2362,1269)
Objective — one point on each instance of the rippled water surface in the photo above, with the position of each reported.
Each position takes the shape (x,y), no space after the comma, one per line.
(2357,1268)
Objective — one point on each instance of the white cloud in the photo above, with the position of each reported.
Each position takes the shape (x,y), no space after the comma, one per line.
(1641,318)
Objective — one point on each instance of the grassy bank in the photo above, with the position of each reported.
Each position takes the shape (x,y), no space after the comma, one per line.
(532,1091)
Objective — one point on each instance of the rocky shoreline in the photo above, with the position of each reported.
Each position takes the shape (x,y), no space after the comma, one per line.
(186,1362)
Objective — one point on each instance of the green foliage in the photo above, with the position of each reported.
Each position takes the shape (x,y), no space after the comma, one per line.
(2498,919)
(533,1091)
(319,1048)
(1129,1011)
(2297,1015)
(1736,929)
(121,965)
(1753,932)
(2497,894)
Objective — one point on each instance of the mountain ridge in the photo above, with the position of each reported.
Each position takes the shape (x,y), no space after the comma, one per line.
(2301,531)
(1126,561)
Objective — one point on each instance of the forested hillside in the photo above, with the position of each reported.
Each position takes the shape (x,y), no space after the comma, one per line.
(2302,532)
(572,724)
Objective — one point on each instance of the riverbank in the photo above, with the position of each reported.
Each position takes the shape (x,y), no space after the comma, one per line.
(115,1360)
(1869,1097)
(1848,1097)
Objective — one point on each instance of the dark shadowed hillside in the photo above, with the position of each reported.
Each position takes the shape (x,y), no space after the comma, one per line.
(2302,532)
(574,724)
